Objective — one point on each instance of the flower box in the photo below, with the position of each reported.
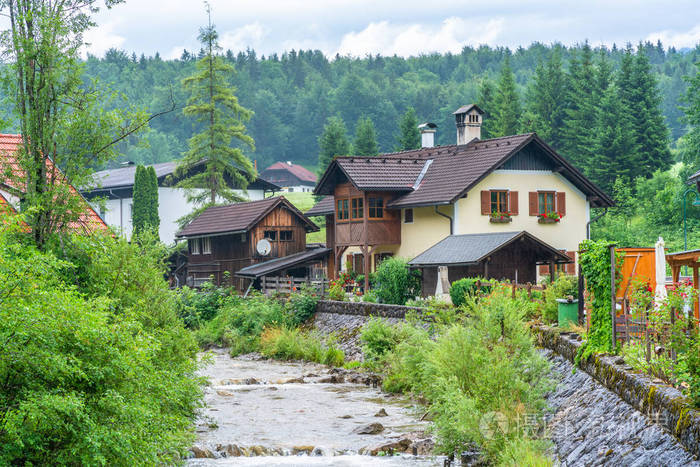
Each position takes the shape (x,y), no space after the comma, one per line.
(547,220)
(500,220)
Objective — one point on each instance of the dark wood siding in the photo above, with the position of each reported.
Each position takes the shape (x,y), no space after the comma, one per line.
(386,231)
(528,158)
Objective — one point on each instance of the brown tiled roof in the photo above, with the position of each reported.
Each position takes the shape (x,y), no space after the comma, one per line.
(451,171)
(280,264)
(323,207)
(88,221)
(298,171)
(239,217)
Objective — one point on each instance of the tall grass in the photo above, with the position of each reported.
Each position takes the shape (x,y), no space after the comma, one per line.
(294,344)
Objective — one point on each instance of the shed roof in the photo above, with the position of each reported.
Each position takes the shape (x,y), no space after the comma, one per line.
(474,248)
(323,207)
(239,217)
(302,173)
(279,264)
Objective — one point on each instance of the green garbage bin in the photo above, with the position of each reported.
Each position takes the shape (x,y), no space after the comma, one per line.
(567,312)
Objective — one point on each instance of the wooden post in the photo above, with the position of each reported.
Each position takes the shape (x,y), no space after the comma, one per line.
(264,285)
(696,311)
(552,272)
(529,291)
(277,284)
(513,293)
(581,304)
(613,292)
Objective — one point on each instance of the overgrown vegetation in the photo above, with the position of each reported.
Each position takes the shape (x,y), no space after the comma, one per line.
(96,367)
(462,289)
(563,286)
(394,282)
(479,371)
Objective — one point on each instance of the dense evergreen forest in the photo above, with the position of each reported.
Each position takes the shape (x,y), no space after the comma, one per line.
(293,94)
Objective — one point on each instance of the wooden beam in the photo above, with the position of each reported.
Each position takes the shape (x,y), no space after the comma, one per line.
(696,311)
(613,292)
(365,237)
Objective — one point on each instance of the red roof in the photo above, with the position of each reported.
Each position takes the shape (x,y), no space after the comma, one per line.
(298,171)
(88,221)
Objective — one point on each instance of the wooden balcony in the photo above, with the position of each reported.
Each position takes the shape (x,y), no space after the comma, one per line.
(379,232)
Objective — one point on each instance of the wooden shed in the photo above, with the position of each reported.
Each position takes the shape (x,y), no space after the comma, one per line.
(222,240)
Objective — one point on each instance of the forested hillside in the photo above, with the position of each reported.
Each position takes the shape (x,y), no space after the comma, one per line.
(292,95)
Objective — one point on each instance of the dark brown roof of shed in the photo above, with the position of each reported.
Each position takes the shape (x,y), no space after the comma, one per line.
(323,207)
(280,264)
(239,217)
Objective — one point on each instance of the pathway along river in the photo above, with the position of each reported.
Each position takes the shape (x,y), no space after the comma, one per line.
(265,412)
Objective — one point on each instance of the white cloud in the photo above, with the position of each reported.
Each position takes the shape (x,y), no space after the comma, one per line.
(249,35)
(413,39)
(102,38)
(678,39)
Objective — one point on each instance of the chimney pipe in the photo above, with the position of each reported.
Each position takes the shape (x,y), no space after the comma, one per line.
(427,134)
(468,119)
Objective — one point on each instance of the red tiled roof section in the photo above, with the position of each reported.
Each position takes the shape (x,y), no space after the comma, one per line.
(237,217)
(457,169)
(381,173)
(88,221)
(300,172)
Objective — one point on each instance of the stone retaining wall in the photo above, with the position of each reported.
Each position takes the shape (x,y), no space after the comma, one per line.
(364,309)
(663,404)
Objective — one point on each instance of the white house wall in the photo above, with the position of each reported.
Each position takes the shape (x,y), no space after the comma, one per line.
(172,205)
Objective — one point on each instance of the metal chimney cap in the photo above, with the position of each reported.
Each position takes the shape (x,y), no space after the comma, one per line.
(427,126)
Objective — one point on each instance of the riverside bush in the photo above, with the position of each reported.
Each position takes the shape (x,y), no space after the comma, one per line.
(394,282)
(562,287)
(294,344)
(95,367)
(486,364)
(462,288)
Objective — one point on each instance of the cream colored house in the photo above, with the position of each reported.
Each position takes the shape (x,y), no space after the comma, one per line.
(494,208)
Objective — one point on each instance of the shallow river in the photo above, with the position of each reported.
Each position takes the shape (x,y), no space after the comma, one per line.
(264,412)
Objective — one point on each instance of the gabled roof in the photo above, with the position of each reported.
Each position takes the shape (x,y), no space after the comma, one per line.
(88,221)
(467,108)
(298,171)
(239,217)
(451,171)
(280,264)
(123,177)
(323,207)
(471,249)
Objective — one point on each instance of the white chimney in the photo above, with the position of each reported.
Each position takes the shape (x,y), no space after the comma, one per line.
(427,134)
(468,119)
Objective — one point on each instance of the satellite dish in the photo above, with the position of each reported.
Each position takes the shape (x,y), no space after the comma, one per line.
(264,247)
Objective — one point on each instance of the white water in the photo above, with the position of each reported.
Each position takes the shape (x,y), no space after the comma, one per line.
(291,419)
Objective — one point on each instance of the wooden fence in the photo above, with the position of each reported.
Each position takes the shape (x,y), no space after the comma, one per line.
(289,285)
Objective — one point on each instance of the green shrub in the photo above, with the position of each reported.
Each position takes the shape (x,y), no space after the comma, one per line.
(336,292)
(195,307)
(302,304)
(461,288)
(294,344)
(485,364)
(562,287)
(96,367)
(395,283)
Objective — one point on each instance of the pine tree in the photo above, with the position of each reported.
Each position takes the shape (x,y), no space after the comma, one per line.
(578,134)
(214,106)
(639,93)
(486,103)
(365,143)
(332,142)
(409,135)
(691,150)
(547,97)
(506,103)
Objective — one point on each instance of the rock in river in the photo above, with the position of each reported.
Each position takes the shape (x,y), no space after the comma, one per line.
(371,429)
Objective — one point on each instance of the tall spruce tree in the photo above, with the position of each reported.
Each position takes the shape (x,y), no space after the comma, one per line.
(215,108)
(578,135)
(547,100)
(365,142)
(409,135)
(691,109)
(332,142)
(506,102)
(485,101)
(639,93)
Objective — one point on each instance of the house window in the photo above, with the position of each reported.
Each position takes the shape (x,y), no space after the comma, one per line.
(376,208)
(545,202)
(408,216)
(342,210)
(285,235)
(270,235)
(243,237)
(358,208)
(206,246)
(499,201)
(194,246)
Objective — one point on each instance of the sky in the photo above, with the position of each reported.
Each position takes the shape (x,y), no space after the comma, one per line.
(405,28)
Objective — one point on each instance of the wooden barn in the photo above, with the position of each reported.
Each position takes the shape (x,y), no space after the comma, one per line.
(225,239)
